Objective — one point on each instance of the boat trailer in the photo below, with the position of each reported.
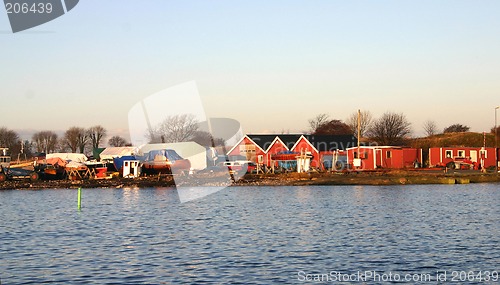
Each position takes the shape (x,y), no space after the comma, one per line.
(7,173)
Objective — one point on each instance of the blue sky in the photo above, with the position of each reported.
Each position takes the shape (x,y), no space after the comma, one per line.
(271,65)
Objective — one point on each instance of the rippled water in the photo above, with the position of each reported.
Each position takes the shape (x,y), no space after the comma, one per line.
(246,235)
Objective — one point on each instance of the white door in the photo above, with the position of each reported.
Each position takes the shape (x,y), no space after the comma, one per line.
(379,158)
(473,155)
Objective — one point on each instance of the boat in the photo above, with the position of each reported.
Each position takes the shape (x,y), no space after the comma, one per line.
(99,168)
(237,166)
(50,168)
(285,155)
(165,161)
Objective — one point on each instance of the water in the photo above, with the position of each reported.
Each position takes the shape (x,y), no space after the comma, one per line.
(248,235)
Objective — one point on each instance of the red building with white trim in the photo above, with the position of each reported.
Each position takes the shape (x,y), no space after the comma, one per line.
(479,156)
(261,148)
(249,149)
(392,157)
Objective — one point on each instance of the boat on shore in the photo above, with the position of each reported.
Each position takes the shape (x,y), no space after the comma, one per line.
(165,161)
(285,156)
(98,168)
(50,168)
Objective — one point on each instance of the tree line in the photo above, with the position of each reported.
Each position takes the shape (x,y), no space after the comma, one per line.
(389,129)
(179,128)
(74,139)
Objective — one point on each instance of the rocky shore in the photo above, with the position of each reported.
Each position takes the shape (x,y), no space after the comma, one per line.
(288,179)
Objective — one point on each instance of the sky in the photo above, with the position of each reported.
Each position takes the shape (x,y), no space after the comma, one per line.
(271,65)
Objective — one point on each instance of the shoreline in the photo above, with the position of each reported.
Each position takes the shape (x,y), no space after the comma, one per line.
(374,178)
(288,179)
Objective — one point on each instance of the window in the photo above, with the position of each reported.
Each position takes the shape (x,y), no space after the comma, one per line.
(448,154)
(483,153)
(461,153)
(247,148)
(388,154)
(355,155)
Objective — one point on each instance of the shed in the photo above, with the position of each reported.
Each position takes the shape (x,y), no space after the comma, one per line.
(391,157)
(480,156)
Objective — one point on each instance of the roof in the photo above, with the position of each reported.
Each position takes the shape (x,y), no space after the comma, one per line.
(463,147)
(332,142)
(381,147)
(184,149)
(77,157)
(265,141)
(320,142)
(112,152)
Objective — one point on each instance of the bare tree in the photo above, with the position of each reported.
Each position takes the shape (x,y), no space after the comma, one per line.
(390,129)
(96,134)
(76,138)
(366,120)
(179,128)
(430,128)
(317,121)
(10,139)
(45,141)
(206,139)
(62,145)
(117,141)
(26,148)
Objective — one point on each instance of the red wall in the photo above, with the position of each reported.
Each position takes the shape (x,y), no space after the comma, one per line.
(366,155)
(410,155)
(277,147)
(399,158)
(434,157)
(437,156)
(253,156)
(303,145)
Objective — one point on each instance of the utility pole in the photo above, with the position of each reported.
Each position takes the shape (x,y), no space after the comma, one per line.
(357,159)
(359,127)
(496,138)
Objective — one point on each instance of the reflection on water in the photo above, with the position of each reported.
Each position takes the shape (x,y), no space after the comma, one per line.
(245,235)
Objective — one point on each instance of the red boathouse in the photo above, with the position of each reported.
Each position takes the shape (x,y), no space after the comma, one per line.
(261,148)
